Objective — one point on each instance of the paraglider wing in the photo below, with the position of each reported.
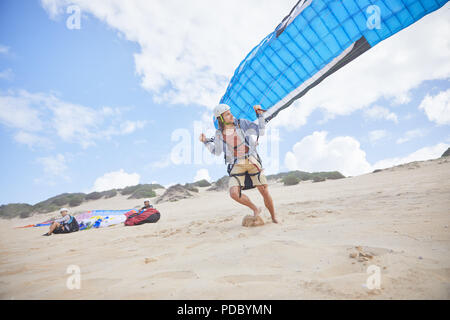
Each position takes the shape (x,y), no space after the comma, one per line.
(316,39)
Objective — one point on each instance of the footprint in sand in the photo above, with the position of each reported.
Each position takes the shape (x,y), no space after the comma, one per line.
(150,260)
(364,254)
(99,283)
(176,275)
(240,278)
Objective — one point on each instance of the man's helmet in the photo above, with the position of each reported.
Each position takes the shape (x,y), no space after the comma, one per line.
(219,109)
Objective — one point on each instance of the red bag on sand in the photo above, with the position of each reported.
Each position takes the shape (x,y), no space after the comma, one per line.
(149,215)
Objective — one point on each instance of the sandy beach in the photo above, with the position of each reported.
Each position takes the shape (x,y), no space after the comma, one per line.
(329,234)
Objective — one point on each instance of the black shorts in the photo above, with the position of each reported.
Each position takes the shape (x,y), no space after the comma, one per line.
(63,229)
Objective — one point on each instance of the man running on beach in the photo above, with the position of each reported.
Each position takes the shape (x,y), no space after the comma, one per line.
(234,138)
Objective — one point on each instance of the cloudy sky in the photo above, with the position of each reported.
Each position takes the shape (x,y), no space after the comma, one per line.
(119,96)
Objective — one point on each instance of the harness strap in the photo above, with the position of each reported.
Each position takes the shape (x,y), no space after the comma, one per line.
(246,156)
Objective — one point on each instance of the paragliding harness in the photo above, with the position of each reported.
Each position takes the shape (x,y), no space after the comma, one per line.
(145,215)
(248,182)
(68,227)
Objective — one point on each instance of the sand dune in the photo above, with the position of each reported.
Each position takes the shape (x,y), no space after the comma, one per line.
(330,233)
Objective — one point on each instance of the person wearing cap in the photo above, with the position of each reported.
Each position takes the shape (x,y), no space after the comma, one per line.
(147,204)
(66,224)
(235,139)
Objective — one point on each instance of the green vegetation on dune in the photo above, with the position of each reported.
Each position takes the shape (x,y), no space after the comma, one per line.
(131,190)
(59,201)
(110,193)
(13,210)
(446,153)
(24,210)
(198,184)
(294,177)
(220,184)
(202,183)
(144,191)
(291,180)
(93,196)
(190,187)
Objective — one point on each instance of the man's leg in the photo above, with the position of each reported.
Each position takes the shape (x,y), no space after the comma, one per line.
(264,190)
(234,194)
(53,227)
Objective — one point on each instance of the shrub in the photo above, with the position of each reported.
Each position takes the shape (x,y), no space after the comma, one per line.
(76,201)
(291,180)
(129,190)
(202,183)
(94,196)
(143,192)
(110,193)
(25,214)
(13,210)
(221,184)
(318,179)
(190,187)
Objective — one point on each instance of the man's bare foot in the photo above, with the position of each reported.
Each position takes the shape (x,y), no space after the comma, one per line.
(274,219)
(257,212)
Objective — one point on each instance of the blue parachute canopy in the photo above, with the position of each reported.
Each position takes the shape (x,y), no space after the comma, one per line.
(316,39)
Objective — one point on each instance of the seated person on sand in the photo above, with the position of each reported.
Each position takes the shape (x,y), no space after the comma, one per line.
(233,138)
(144,215)
(66,224)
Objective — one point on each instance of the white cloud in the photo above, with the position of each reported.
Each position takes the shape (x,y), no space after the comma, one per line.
(17,112)
(32,140)
(390,70)
(116,180)
(376,135)
(410,135)
(378,112)
(74,122)
(130,126)
(437,108)
(6,74)
(53,8)
(140,141)
(47,115)
(188,49)
(4,49)
(316,153)
(164,162)
(422,154)
(55,166)
(202,174)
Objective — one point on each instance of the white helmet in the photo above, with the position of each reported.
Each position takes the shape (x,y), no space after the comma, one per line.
(63,209)
(219,109)
(147,200)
